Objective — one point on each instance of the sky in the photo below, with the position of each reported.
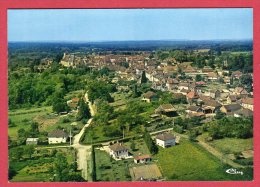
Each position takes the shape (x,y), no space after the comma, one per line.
(129,24)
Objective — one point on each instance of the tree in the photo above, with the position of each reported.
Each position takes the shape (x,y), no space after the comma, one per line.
(219,115)
(59,106)
(61,168)
(143,78)
(198,78)
(132,146)
(150,143)
(84,112)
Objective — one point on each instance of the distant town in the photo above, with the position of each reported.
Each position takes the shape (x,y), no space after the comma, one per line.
(130,111)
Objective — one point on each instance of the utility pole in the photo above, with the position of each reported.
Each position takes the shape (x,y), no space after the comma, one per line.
(70,136)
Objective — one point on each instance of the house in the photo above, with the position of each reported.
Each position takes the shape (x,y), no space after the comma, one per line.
(212,76)
(142,159)
(165,140)
(192,96)
(237,74)
(240,91)
(149,96)
(166,109)
(210,106)
(183,85)
(231,108)
(57,136)
(247,103)
(118,150)
(244,112)
(214,94)
(232,99)
(193,109)
(32,141)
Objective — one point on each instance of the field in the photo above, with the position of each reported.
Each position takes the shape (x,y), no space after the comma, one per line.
(232,145)
(108,169)
(21,118)
(44,117)
(188,161)
(37,169)
(148,172)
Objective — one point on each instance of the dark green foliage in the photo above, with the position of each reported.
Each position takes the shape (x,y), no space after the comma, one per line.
(84,112)
(143,78)
(231,127)
(100,90)
(93,159)
(59,106)
(150,143)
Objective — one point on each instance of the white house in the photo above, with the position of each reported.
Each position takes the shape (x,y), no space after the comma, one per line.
(57,136)
(118,150)
(165,140)
(32,141)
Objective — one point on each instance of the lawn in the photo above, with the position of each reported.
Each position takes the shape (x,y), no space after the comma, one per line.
(188,161)
(108,169)
(140,147)
(232,145)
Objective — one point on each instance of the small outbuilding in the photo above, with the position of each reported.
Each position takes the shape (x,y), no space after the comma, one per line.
(32,141)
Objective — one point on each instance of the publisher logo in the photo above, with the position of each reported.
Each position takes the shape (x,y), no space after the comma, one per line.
(234,171)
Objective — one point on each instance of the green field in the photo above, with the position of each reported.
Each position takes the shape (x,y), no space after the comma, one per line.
(108,169)
(188,161)
(21,118)
(232,145)
(44,117)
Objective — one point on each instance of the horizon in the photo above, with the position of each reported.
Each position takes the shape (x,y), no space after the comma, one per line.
(107,25)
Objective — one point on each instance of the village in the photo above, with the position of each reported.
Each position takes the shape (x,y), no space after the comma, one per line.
(161,113)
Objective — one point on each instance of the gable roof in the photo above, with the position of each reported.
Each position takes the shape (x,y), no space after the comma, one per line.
(166,108)
(248,101)
(165,136)
(141,157)
(232,107)
(212,103)
(58,134)
(117,147)
(193,108)
(245,112)
(192,95)
(149,94)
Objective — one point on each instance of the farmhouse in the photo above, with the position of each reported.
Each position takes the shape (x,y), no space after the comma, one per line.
(149,96)
(118,150)
(166,109)
(227,109)
(142,159)
(165,140)
(57,136)
(32,141)
(248,103)
(244,112)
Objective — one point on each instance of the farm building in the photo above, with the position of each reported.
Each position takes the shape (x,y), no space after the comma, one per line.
(118,150)
(149,96)
(165,140)
(142,159)
(166,109)
(32,141)
(57,136)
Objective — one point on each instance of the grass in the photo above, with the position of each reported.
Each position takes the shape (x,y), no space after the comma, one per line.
(232,145)
(23,117)
(140,147)
(189,162)
(108,169)
(37,169)
(43,115)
